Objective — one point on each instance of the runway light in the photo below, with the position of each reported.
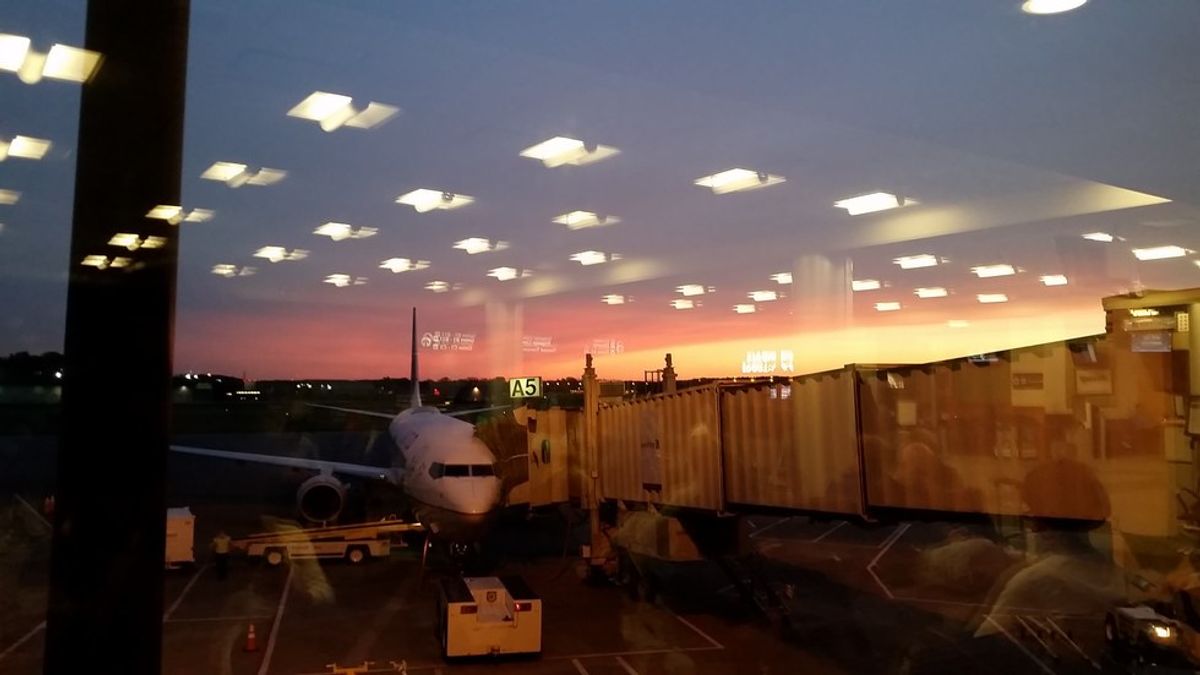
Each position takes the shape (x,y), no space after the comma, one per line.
(586,258)
(745,309)
(564,151)
(1143,312)
(236,175)
(990,271)
(1098,236)
(425,200)
(1054,280)
(344,280)
(991,298)
(229,271)
(437,286)
(508,273)
(683,304)
(782,278)
(762,296)
(578,220)
(613,299)
(931,292)
(280,254)
(1160,252)
(24,147)
(1051,6)
(474,245)
(398,265)
(738,180)
(9,197)
(688,290)
(865,285)
(912,262)
(958,323)
(887,306)
(175,214)
(332,111)
(343,231)
(870,203)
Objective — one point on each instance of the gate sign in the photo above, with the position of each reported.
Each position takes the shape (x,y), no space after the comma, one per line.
(525,387)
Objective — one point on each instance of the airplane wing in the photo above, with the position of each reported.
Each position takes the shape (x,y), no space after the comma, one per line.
(461,413)
(354,411)
(320,465)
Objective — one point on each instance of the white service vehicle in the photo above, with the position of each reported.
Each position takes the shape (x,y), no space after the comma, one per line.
(488,616)
(181,535)
(353,543)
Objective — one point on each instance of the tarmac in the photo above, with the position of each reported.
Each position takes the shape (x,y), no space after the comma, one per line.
(904,597)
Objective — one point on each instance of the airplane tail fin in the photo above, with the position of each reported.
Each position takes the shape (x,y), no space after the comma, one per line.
(415,401)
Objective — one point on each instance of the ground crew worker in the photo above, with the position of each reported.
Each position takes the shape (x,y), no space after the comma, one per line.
(220,548)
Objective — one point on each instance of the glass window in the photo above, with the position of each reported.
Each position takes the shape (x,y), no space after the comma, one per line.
(457,470)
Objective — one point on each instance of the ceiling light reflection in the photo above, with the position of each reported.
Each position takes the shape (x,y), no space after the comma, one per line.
(344,280)
(782,278)
(398,265)
(474,245)
(870,203)
(564,151)
(912,262)
(1050,6)
(887,306)
(738,180)
(280,254)
(745,309)
(9,197)
(586,258)
(613,299)
(1054,280)
(991,298)
(683,304)
(332,111)
(865,285)
(931,292)
(991,271)
(227,270)
(1160,252)
(24,147)
(578,220)
(1098,236)
(424,200)
(343,231)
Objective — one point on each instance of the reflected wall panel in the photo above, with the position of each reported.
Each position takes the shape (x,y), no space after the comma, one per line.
(1081,430)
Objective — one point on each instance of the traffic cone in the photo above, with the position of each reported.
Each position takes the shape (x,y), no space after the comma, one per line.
(251,640)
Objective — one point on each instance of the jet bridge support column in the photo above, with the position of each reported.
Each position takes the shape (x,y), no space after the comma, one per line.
(600,548)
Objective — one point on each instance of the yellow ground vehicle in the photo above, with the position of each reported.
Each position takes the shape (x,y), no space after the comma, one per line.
(488,616)
(354,543)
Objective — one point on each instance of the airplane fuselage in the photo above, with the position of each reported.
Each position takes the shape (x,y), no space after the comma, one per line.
(445,470)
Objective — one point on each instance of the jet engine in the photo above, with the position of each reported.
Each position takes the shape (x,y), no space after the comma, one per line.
(320,499)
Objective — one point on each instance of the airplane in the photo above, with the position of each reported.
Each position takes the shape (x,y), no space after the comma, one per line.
(447,473)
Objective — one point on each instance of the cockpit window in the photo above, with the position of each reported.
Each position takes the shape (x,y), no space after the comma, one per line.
(457,471)
(483,470)
(437,469)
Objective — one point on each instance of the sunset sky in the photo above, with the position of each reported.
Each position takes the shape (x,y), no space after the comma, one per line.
(1010,137)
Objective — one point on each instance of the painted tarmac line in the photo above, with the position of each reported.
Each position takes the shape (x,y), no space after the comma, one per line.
(216,619)
(830,531)
(706,636)
(183,594)
(631,652)
(1063,634)
(23,639)
(35,512)
(1033,657)
(781,521)
(579,667)
(884,548)
(628,668)
(274,635)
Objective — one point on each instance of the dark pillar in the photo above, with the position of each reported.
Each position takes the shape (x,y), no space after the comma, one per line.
(105,608)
